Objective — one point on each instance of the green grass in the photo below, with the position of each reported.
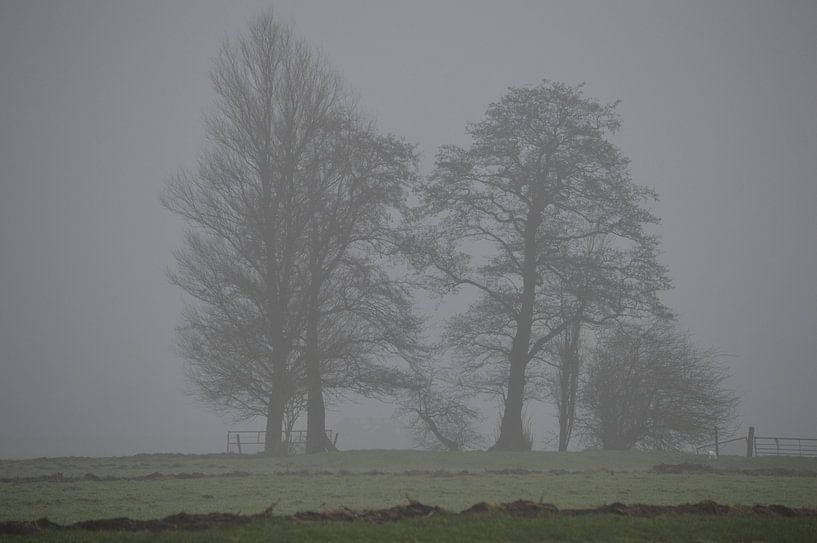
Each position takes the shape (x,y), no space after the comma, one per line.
(68,502)
(378,479)
(383,460)
(480,528)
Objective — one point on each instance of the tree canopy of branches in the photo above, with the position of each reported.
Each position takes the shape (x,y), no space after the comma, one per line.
(289,214)
(509,218)
(649,386)
(357,312)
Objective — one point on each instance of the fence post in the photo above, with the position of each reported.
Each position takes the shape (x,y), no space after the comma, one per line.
(750,442)
(238,442)
(717,449)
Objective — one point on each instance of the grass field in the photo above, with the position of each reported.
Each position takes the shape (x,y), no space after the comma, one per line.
(149,486)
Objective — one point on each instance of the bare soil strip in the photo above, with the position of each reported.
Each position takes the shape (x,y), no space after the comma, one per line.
(413,509)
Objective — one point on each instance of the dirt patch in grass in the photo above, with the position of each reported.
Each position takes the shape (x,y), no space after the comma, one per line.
(413,509)
(180,521)
(519,508)
(705,508)
(706,468)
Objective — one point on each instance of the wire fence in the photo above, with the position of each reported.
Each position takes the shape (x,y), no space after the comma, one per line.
(241,441)
(763,445)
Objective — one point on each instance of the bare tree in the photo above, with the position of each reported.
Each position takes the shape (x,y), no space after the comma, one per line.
(508,218)
(245,204)
(357,314)
(292,212)
(649,386)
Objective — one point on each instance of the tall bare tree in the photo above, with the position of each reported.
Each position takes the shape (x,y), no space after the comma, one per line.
(246,207)
(291,215)
(508,217)
(650,386)
(356,312)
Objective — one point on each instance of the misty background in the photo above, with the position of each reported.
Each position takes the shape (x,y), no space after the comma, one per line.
(100,102)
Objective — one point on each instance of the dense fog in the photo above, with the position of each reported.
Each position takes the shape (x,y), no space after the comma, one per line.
(102,103)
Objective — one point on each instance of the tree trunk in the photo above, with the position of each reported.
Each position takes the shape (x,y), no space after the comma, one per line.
(564,435)
(511,434)
(568,383)
(274,445)
(316,439)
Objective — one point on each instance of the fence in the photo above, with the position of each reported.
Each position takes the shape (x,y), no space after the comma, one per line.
(765,445)
(239,440)
(717,446)
(785,446)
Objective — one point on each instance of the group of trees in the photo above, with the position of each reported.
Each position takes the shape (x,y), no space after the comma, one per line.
(303,250)
(290,213)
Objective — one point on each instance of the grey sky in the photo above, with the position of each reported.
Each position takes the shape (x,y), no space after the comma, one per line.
(100,101)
